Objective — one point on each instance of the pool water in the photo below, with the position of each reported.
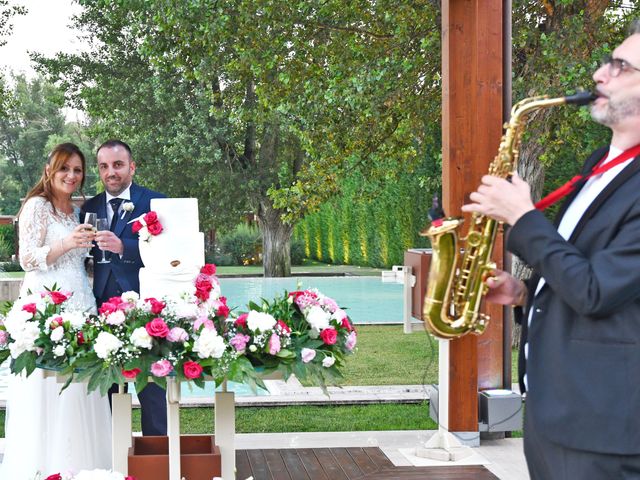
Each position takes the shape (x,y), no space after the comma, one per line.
(365,299)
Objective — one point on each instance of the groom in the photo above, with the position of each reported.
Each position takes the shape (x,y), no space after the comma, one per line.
(121,201)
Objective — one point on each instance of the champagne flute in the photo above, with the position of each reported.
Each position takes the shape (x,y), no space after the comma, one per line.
(91,218)
(103,224)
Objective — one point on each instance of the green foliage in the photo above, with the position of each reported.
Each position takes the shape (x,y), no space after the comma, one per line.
(33,115)
(7,241)
(297,251)
(242,245)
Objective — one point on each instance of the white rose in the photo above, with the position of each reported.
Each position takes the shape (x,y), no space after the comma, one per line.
(57,334)
(106,344)
(140,338)
(260,321)
(59,351)
(338,315)
(209,344)
(24,339)
(76,319)
(184,309)
(144,234)
(115,318)
(130,297)
(328,361)
(318,318)
(16,321)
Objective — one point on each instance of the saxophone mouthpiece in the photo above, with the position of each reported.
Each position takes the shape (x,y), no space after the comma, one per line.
(435,212)
(581,98)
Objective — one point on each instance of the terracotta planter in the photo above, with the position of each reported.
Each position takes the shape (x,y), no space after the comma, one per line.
(199,458)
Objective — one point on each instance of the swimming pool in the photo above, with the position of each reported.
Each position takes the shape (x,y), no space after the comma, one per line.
(365,299)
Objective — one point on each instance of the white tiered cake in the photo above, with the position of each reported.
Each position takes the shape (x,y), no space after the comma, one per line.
(173,258)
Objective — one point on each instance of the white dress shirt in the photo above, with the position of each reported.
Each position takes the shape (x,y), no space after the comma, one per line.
(125,195)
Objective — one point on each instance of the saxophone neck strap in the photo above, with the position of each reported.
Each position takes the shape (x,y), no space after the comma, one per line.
(598,169)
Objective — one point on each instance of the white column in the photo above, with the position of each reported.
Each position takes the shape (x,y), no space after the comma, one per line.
(120,430)
(408,281)
(225,431)
(173,427)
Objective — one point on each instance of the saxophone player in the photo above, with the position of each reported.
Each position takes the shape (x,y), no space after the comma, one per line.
(580,312)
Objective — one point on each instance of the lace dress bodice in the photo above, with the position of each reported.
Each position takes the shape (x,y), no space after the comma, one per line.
(41,228)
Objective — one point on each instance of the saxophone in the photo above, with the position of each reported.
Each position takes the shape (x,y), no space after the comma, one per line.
(456,286)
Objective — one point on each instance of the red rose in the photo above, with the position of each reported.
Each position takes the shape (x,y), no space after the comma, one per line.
(30,307)
(203,295)
(347,324)
(150,217)
(284,327)
(106,308)
(131,374)
(55,476)
(157,328)
(329,336)
(208,269)
(192,370)
(223,311)
(57,297)
(203,282)
(116,300)
(241,321)
(154,228)
(129,477)
(80,337)
(136,227)
(156,305)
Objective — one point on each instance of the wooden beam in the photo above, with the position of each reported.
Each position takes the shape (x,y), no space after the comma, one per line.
(472,118)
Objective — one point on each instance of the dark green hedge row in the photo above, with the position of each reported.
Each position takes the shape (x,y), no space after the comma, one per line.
(7,241)
(368,225)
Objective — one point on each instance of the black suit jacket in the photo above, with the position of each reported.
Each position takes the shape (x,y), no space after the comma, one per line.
(583,362)
(125,268)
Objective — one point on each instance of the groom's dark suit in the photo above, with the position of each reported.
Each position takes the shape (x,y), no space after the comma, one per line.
(584,339)
(121,275)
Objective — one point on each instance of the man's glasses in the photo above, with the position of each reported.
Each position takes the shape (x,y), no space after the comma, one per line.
(617,66)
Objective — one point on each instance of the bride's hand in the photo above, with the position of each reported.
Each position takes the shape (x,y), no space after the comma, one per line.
(81,237)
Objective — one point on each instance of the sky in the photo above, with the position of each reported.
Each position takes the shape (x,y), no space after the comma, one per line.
(44,29)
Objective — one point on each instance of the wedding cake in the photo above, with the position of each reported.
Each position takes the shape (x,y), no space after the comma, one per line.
(173,257)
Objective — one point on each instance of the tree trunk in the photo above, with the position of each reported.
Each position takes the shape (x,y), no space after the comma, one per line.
(276,241)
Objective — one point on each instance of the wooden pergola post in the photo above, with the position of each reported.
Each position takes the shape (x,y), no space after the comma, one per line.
(473,99)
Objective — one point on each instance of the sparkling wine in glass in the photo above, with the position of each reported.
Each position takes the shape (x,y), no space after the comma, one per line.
(103,224)
(92,219)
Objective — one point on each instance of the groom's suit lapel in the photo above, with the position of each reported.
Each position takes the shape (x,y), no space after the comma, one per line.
(135,193)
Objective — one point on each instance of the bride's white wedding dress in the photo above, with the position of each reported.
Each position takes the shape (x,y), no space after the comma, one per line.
(47,431)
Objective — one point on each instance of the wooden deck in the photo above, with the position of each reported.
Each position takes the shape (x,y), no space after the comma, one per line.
(342,464)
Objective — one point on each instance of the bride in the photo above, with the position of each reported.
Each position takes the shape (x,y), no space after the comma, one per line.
(47,431)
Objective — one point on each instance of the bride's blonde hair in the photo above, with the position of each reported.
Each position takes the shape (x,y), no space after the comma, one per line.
(56,160)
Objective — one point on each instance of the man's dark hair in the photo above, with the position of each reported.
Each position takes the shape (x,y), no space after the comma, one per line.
(113,143)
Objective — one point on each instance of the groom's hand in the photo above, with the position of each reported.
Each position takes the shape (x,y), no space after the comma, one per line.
(109,241)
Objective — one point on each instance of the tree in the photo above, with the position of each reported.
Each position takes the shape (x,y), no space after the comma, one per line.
(33,115)
(6,12)
(285,97)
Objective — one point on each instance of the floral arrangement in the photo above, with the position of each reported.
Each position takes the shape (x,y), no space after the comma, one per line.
(147,226)
(303,333)
(190,337)
(89,475)
(39,330)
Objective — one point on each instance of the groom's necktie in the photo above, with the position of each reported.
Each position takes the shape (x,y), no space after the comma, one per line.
(115,205)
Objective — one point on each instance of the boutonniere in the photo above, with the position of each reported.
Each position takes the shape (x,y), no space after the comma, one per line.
(127,207)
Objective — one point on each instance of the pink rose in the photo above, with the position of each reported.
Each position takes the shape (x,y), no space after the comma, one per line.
(203,282)
(106,308)
(239,342)
(351,341)
(150,217)
(208,269)
(156,305)
(30,307)
(192,370)
(347,324)
(177,334)
(307,354)
(202,295)
(131,374)
(157,328)
(223,311)
(274,344)
(57,297)
(4,337)
(161,368)
(55,476)
(136,227)
(154,228)
(241,321)
(329,336)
